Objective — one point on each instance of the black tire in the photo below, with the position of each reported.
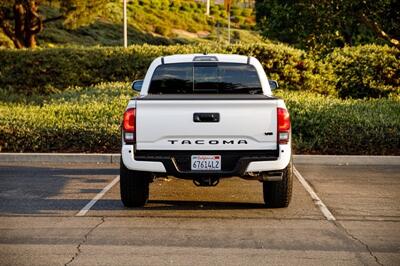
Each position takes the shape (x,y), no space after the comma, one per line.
(277,194)
(134,186)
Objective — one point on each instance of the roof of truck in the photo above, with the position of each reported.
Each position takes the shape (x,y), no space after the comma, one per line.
(225,58)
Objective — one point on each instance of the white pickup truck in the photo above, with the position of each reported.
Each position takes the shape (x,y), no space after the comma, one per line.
(206,117)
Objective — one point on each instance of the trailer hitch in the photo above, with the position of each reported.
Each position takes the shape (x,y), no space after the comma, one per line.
(206,182)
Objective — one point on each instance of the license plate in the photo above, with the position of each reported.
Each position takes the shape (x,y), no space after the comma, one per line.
(206,162)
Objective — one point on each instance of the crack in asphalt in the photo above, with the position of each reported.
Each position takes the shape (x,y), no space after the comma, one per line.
(85,237)
(341,227)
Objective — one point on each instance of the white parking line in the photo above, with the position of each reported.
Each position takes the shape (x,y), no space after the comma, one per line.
(97,197)
(325,211)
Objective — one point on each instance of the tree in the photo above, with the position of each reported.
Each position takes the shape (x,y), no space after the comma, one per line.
(308,23)
(21,21)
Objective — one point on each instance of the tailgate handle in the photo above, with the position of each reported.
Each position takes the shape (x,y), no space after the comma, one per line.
(206,117)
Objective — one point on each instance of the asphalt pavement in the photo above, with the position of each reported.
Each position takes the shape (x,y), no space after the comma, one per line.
(187,225)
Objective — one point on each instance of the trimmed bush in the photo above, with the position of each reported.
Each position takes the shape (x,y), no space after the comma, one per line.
(247,12)
(164,31)
(87,120)
(77,120)
(215,12)
(290,67)
(48,70)
(355,72)
(328,125)
(366,71)
(235,11)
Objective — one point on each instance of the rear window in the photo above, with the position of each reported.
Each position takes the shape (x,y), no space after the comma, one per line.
(205,78)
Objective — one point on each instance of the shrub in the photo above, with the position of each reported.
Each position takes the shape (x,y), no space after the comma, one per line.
(144,2)
(366,71)
(164,31)
(215,12)
(246,12)
(48,70)
(328,125)
(246,26)
(235,19)
(79,119)
(200,18)
(87,119)
(159,4)
(192,29)
(235,11)
(290,67)
(193,5)
(223,14)
(221,22)
(186,7)
(357,72)
(5,42)
(236,35)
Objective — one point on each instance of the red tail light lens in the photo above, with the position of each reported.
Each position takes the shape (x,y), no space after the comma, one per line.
(130,120)
(129,126)
(283,125)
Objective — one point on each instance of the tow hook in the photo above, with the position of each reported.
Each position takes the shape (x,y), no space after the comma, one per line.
(206,182)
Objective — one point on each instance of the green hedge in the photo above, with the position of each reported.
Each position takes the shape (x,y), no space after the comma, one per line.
(366,71)
(77,120)
(47,70)
(356,72)
(88,119)
(328,125)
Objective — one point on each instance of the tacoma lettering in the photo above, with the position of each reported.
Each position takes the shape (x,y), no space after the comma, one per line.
(211,142)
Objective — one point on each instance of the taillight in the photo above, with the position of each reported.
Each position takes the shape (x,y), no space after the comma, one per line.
(129,126)
(283,125)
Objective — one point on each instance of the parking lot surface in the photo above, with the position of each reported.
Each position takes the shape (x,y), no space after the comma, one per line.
(182,224)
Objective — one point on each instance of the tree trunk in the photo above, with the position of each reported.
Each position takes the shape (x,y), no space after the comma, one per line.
(27,24)
(31,24)
(19,14)
(30,40)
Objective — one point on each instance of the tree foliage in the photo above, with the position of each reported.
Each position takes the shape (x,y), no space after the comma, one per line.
(21,21)
(308,23)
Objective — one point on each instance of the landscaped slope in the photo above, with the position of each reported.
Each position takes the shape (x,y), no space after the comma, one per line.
(153,22)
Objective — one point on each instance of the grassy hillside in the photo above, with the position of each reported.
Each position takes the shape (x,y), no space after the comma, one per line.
(155,22)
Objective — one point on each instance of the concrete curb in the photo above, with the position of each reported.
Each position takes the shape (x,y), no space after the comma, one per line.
(346,160)
(60,157)
(115,158)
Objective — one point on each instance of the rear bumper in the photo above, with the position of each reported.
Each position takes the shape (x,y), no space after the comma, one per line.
(147,166)
(176,163)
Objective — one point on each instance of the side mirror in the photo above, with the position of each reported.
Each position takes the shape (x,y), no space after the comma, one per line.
(273,84)
(137,85)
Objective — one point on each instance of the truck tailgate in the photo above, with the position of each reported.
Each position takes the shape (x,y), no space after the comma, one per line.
(214,124)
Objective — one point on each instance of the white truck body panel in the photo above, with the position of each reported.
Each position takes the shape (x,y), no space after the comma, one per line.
(128,158)
(169,125)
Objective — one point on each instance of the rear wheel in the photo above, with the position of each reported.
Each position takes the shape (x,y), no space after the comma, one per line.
(134,186)
(277,194)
